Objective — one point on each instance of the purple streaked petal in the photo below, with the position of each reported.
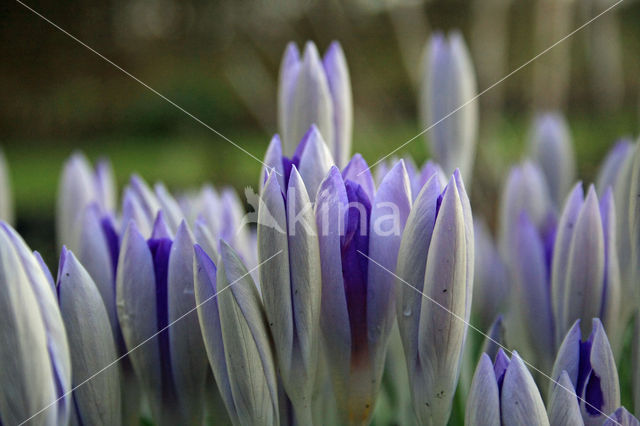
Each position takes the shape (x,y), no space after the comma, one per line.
(568,357)
(585,267)
(520,399)
(483,401)
(331,206)
(315,160)
(621,417)
(563,405)
(209,317)
(188,356)
(389,214)
(601,390)
(137,312)
(273,161)
(412,262)
(561,253)
(358,171)
(90,335)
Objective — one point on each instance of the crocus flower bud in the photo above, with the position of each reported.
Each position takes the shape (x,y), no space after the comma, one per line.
(585,275)
(359,232)
(504,393)
(592,370)
(36,364)
(97,400)
(436,259)
(317,92)
(236,337)
(613,165)
(155,289)
(291,285)
(621,417)
(551,148)
(6,202)
(79,187)
(311,158)
(525,190)
(446,106)
(563,403)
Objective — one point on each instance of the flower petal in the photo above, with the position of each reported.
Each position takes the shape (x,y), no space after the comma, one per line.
(483,401)
(520,399)
(561,254)
(136,305)
(335,65)
(249,360)
(86,320)
(585,267)
(389,214)
(563,405)
(315,161)
(358,171)
(188,356)
(24,354)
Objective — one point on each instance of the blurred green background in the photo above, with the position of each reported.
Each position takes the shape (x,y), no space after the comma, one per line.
(219,60)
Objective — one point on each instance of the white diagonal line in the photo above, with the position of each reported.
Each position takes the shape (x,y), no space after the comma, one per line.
(120,358)
(581,27)
(510,352)
(145,85)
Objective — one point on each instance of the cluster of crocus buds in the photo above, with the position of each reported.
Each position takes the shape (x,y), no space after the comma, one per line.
(343,291)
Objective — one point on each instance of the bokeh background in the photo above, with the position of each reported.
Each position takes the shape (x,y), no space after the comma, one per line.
(219,60)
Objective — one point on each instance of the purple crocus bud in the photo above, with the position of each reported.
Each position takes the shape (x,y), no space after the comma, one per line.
(6,201)
(36,364)
(291,285)
(530,269)
(155,288)
(490,277)
(317,92)
(592,370)
(563,403)
(79,187)
(436,259)
(312,159)
(550,146)
(359,233)
(525,190)
(446,104)
(621,417)
(586,278)
(236,337)
(86,320)
(613,164)
(504,393)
